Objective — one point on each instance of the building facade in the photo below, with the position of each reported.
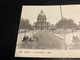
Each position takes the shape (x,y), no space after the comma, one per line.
(41,23)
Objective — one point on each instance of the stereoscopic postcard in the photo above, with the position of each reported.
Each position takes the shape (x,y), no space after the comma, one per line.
(50,31)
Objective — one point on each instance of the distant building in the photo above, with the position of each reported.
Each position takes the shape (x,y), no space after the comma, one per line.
(41,23)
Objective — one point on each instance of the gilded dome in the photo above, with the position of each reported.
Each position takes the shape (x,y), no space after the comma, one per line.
(41,15)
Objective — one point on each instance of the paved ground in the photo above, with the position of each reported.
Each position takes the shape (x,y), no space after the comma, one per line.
(46,40)
(74,46)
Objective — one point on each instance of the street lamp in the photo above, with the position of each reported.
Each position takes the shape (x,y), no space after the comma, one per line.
(63,27)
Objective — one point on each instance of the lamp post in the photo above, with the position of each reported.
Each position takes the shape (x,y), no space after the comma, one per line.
(63,27)
(61,12)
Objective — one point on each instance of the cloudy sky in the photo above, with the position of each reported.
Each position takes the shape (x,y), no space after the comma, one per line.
(52,13)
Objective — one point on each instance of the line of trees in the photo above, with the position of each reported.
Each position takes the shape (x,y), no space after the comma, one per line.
(61,24)
(24,24)
(65,24)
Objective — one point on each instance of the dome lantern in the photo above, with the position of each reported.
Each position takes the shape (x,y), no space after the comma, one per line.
(41,15)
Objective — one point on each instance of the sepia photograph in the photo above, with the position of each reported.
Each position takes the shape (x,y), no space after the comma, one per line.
(50,31)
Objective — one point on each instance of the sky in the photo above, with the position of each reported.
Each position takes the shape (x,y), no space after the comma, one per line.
(52,13)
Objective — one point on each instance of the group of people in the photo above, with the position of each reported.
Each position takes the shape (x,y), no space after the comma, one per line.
(31,39)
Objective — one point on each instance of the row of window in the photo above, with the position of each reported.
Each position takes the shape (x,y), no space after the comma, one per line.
(41,20)
(42,24)
(42,27)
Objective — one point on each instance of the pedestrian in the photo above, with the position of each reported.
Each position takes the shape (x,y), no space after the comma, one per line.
(30,40)
(77,39)
(36,38)
(25,38)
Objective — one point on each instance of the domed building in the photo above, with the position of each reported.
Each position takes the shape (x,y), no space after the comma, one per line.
(41,22)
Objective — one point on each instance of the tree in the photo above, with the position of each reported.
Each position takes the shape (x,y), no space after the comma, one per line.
(24,24)
(66,24)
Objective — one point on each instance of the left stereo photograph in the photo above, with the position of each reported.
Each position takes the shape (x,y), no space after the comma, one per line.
(49,31)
